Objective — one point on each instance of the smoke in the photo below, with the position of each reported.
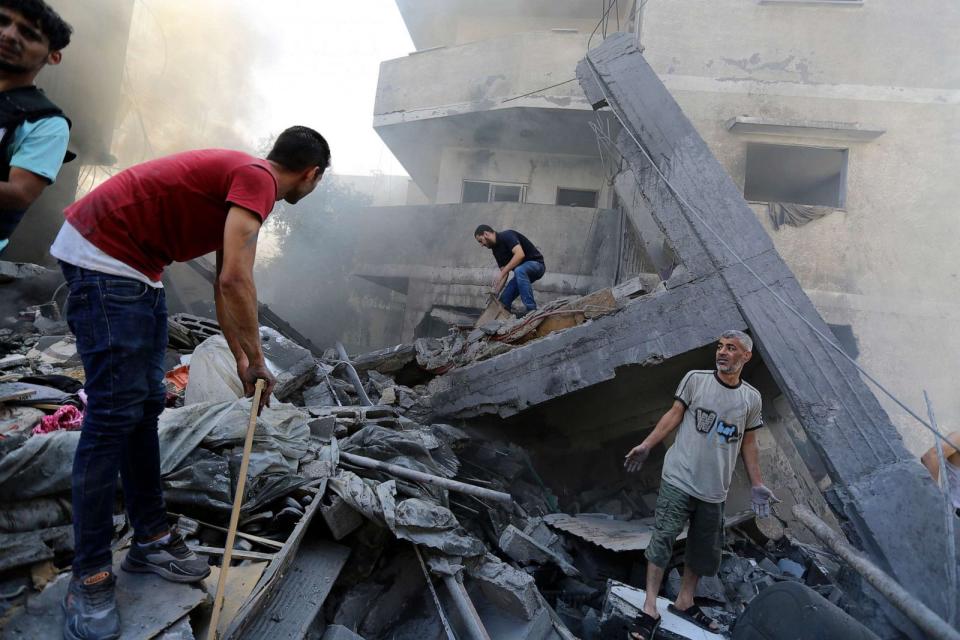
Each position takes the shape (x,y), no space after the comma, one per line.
(188,81)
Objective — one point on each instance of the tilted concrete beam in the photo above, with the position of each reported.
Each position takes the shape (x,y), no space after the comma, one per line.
(884,498)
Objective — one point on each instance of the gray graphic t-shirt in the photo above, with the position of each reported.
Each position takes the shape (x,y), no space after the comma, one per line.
(704,454)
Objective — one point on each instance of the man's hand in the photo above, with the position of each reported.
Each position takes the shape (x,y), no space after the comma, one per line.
(635,459)
(760,500)
(499,280)
(249,376)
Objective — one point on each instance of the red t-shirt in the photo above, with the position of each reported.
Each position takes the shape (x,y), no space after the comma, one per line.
(173,208)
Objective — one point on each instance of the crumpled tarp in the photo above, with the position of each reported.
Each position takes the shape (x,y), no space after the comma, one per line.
(213,369)
(418,521)
(795,215)
(417,450)
(42,465)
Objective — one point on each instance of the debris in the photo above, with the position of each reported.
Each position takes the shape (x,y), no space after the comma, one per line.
(417,476)
(623,603)
(511,589)
(524,549)
(621,535)
(243,579)
(150,605)
(66,418)
(796,610)
(389,360)
(339,632)
(341,518)
(13,360)
(31,515)
(11,271)
(58,351)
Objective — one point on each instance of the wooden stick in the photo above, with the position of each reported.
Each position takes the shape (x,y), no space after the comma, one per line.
(235,513)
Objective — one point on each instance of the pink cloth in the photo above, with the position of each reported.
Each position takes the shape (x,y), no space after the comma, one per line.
(66,418)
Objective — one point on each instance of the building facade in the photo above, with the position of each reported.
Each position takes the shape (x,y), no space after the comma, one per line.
(839,118)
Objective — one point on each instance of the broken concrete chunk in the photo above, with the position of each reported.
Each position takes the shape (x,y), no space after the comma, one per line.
(340,632)
(524,549)
(13,360)
(11,271)
(538,530)
(341,518)
(321,395)
(388,396)
(509,589)
(387,360)
(57,351)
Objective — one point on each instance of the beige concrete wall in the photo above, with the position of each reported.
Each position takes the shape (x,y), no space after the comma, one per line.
(481,73)
(886,264)
(542,173)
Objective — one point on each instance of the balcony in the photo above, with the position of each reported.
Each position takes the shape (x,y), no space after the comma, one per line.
(434,23)
(492,94)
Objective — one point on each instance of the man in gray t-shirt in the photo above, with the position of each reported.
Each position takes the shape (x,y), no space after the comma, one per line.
(717,415)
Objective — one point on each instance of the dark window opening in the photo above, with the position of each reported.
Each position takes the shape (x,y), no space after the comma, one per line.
(577,198)
(476,191)
(800,175)
(507,193)
(479,191)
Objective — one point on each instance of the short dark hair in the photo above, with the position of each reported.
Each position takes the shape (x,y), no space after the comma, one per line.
(482,229)
(51,24)
(299,148)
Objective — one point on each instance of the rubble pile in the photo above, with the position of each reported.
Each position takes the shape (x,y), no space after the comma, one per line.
(422,529)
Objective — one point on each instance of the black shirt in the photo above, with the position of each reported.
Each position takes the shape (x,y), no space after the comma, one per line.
(507,240)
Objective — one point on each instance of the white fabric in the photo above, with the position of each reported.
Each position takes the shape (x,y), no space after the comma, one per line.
(72,247)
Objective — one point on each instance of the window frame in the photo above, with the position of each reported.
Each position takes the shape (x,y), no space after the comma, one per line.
(595,192)
(491,188)
(841,197)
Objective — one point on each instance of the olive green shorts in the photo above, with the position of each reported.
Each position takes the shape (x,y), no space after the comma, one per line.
(675,508)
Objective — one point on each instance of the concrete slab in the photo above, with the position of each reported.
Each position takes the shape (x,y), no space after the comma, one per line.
(148,605)
(305,587)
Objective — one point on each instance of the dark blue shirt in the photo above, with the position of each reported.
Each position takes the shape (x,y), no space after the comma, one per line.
(507,240)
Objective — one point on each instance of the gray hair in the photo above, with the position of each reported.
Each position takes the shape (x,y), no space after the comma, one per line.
(744,339)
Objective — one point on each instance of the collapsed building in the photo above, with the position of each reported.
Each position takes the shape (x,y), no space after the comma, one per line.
(470,485)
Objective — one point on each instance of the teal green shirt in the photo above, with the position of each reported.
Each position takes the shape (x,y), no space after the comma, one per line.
(39,147)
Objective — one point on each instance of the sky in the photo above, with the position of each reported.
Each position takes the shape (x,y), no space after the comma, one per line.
(318,65)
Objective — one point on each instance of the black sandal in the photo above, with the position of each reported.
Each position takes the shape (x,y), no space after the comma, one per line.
(695,615)
(644,624)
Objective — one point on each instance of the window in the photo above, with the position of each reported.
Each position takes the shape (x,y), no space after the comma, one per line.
(478,191)
(577,198)
(800,175)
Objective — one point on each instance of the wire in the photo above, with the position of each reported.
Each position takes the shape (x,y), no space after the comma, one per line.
(613,108)
(530,93)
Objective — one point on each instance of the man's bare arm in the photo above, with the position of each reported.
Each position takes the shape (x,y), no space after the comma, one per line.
(932,461)
(515,261)
(665,426)
(226,321)
(21,189)
(238,297)
(750,452)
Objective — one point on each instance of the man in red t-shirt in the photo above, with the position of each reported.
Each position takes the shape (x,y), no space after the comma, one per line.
(113,249)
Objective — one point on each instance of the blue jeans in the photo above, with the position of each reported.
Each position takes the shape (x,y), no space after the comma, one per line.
(121,330)
(522,283)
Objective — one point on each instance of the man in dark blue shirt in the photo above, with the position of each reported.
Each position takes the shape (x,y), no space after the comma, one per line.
(513,252)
